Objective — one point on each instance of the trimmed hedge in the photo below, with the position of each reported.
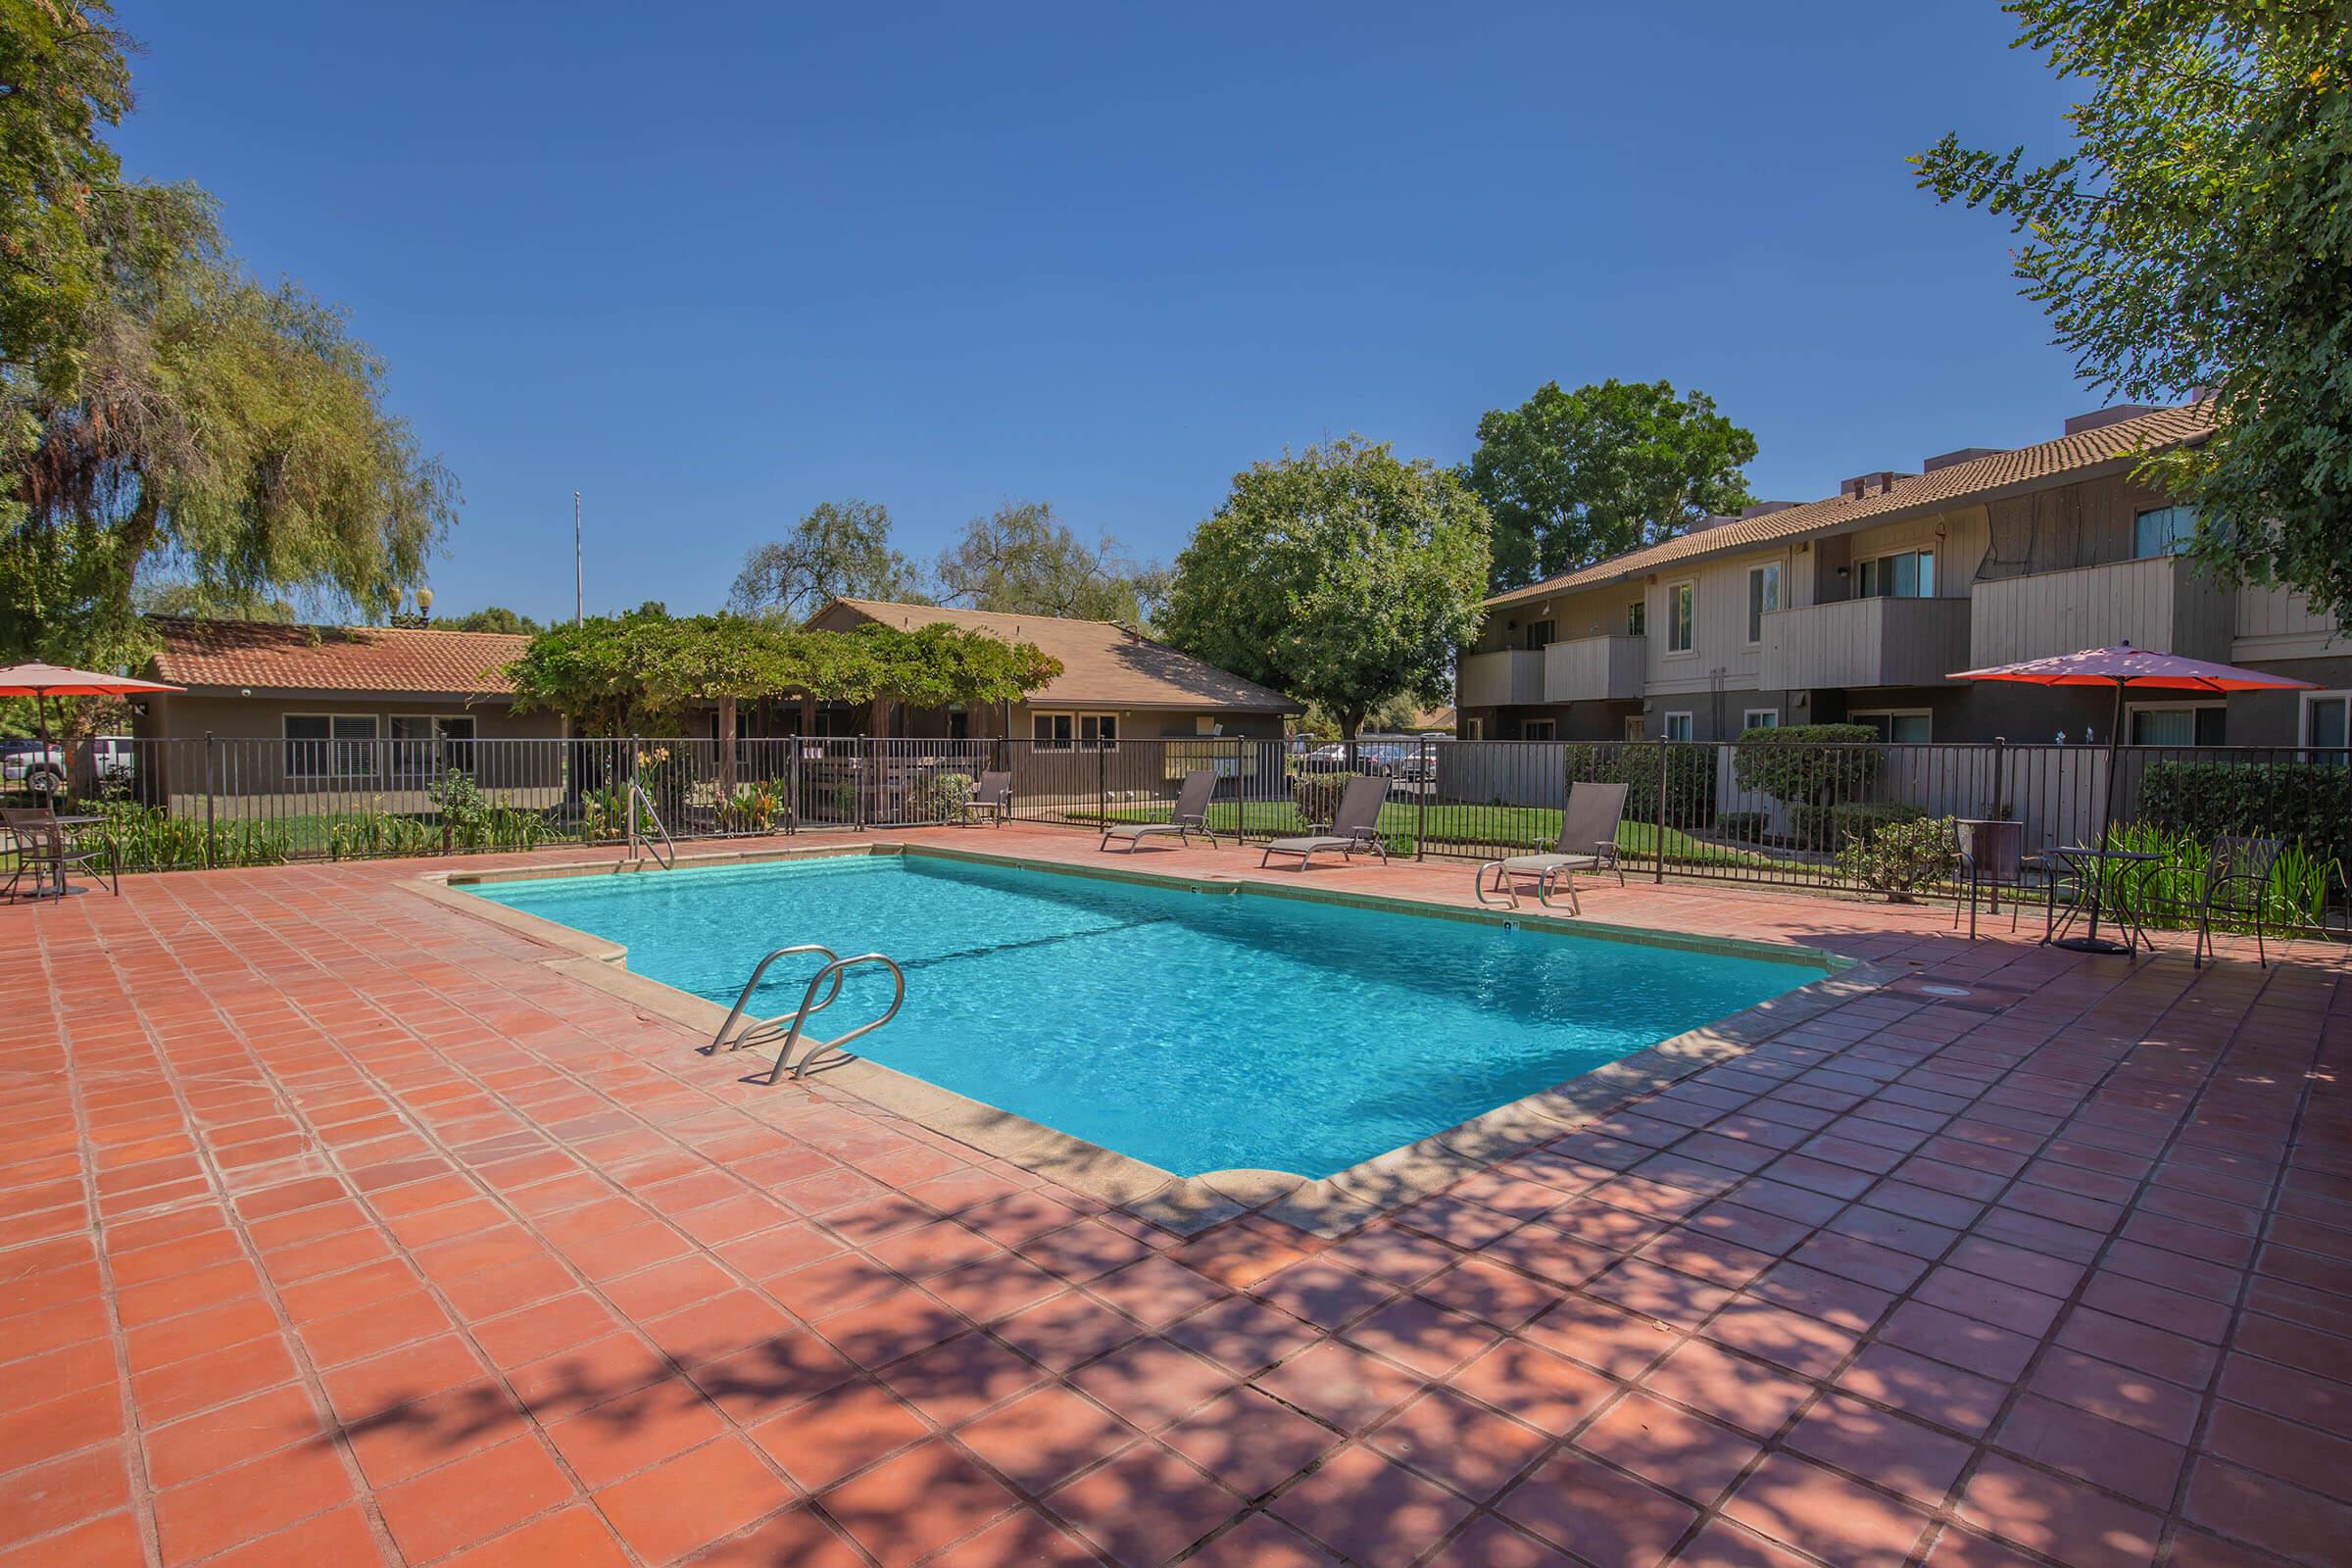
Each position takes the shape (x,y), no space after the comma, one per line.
(1690,778)
(1808,764)
(2304,802)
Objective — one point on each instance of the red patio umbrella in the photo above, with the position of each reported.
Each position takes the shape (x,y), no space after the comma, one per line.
(40,683)
(2125,668)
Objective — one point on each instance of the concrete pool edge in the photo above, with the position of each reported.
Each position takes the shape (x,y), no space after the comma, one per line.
(1327,1206)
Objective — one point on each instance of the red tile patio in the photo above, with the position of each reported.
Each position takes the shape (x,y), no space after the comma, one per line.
(337,1226)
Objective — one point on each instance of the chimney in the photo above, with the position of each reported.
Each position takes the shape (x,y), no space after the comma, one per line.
(1959,454)
(1712,521)
(1870,484)
(2098,418)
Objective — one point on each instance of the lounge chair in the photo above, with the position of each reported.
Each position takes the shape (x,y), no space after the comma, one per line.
(1354,826)
(992,797)
(1588,842)
(1191,816)
(44,854)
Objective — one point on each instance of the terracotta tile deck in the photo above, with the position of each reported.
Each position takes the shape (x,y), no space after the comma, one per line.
(337,1226)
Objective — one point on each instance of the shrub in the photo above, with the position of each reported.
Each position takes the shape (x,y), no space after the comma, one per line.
(1833,827)
(1690,778)
(938,798)
(1318,794)
(1900,856)
(1808,764)
(1748,827)
(2310,804)
(464,810)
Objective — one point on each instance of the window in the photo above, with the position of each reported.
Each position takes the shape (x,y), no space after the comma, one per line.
(2163,531)
(1538,634)
(329,745)
(1680,598)
(1099,731)
(2176,724)
(1636,617)
(1539,729)
(1910,574)
(1763,597)
(1678,726)
(1910,726)
(1095,733)
(413,751)
(2327,721)
(1053,730)
(1760,719)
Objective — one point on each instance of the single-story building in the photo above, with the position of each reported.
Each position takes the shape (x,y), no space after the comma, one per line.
(320,696)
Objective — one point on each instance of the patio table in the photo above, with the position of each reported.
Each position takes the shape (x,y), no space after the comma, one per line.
(2089,865)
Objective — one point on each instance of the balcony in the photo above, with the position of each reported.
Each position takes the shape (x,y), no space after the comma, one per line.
(1865,642)
(1593,670)
(2166,602)
(1501,680)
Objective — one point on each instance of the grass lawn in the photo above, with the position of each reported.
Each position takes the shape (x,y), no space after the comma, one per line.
(1506,829)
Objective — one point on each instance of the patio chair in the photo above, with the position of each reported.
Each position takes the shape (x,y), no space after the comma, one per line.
(1992,856)
(1191,816)
(2237,875)
(1588,842)
(1354,826)
(992,797)
(44,852)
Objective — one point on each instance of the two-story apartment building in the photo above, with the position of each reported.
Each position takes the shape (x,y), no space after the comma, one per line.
(1857,608)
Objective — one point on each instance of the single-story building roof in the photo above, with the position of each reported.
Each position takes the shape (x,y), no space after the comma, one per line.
(1103,663)
(264,656)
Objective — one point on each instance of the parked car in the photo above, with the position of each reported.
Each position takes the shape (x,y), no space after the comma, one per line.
(1402,757)
(28,764)
(107,763)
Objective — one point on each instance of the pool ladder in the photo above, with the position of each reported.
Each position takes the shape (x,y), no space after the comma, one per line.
(760,1031)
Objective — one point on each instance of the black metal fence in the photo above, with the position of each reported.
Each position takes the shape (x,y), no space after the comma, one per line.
(1805,814)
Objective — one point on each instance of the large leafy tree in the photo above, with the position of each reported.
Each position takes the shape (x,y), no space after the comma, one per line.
(492,617)
(1574,477)
(1023,560)
(2200,237)
(839,549)
(163,412)
(1343,576)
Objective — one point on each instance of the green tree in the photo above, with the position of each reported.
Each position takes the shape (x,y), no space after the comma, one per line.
(839,549)
(165,413)
(2200,237)
(172,597)
(1023,560)
(1341,574)
(1574,477)
(493,618)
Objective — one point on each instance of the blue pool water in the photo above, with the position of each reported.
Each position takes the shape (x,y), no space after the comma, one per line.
(1194,1030)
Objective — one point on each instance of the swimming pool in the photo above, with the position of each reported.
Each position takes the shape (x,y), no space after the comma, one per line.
(1196,1029)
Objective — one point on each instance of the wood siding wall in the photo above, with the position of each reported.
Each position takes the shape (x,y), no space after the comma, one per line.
(2277,623)
(1866,642)
(2166,602)
(1594,670)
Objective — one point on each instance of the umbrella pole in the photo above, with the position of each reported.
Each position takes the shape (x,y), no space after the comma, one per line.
(2092,942)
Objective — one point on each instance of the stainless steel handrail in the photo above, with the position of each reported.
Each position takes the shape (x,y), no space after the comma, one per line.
(830,966)
(823,1047)
(638,796)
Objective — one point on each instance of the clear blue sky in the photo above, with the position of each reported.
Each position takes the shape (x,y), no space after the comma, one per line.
(713,264)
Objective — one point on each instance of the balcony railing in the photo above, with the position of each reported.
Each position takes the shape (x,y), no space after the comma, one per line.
(2167,602)
(1593,670)
(1865,642)
(1499,680)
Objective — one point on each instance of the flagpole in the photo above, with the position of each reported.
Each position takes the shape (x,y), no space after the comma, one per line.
(579,592)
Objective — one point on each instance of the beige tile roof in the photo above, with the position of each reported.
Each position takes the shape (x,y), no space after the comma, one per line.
(1103,663)
(244,653)
(1919,493)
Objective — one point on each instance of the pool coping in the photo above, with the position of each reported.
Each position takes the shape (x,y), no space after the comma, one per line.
(1327,1206)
